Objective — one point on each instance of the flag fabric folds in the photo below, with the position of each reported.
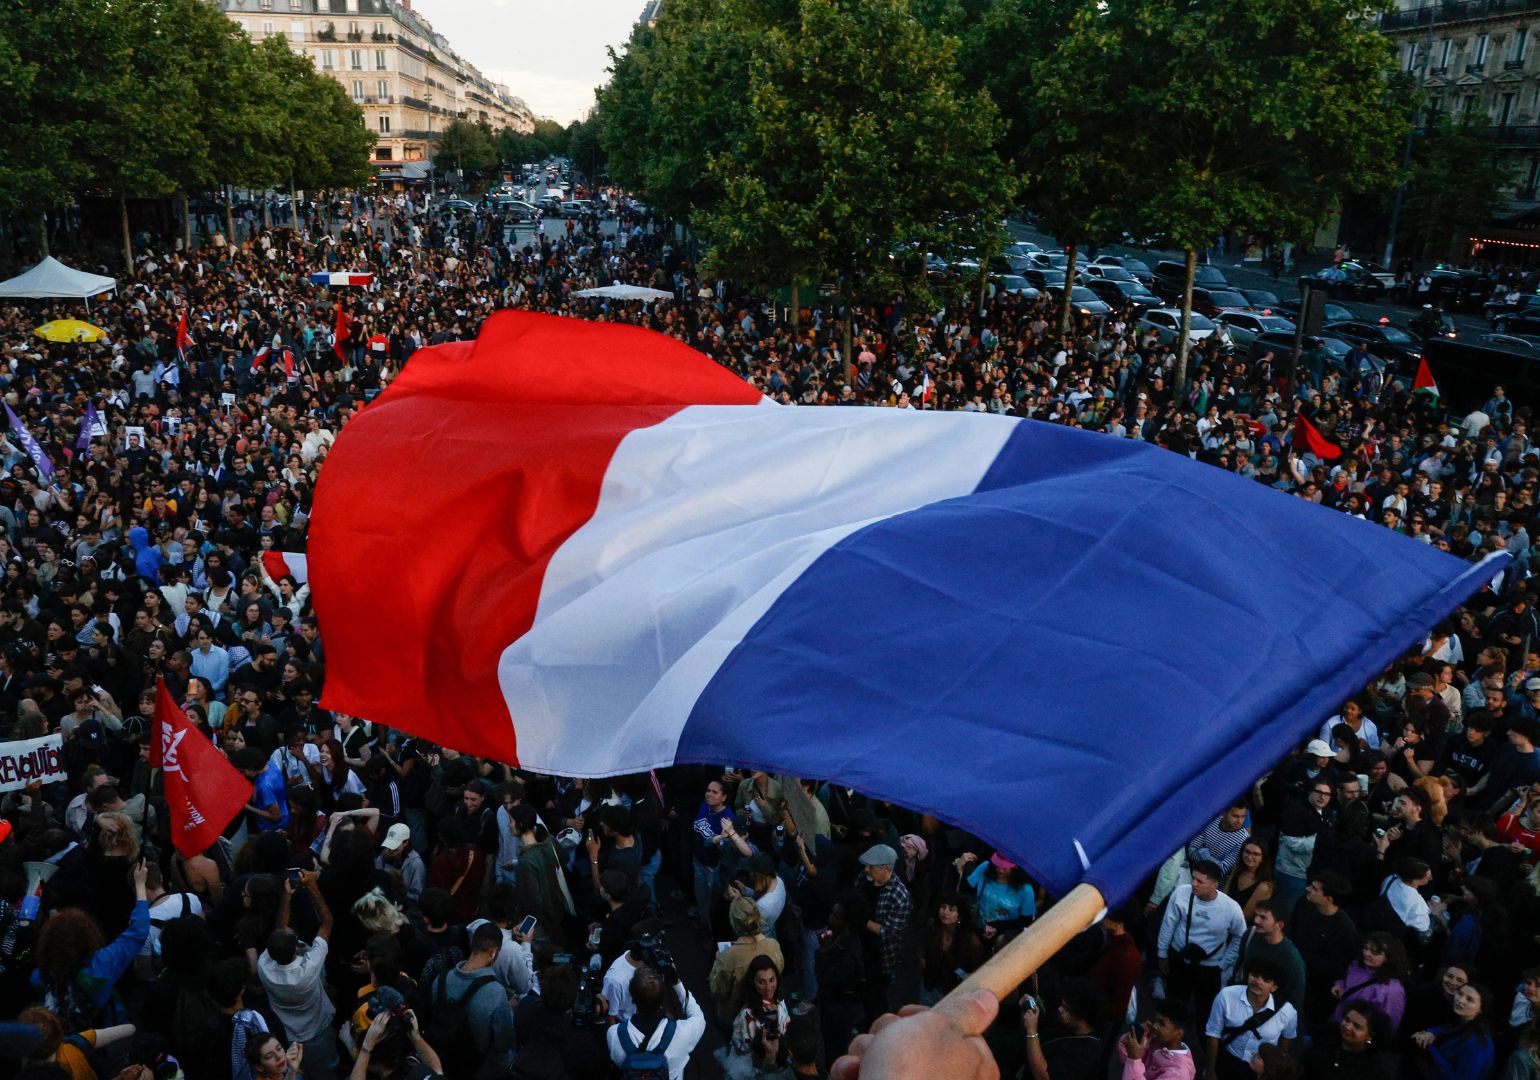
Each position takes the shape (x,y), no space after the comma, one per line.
(279,564)
(1308,437)
(30,444)
(183,339)
(1423,381)
(88,427)
(344,321)
(334,279)
(649,563)
(204,791)
(267,352)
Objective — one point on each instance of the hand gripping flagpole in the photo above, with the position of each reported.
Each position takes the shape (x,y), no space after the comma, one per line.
(1036,945)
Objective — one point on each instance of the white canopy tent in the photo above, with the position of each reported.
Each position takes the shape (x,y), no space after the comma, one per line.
(52,279)
(625,292)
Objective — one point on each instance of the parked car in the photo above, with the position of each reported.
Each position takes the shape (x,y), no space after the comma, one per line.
(1022,248)
(1392,344)
(1044,279)
(456,205)
(1281,344)
(549,204)
(1215,302)
(1167,324)
(1347,279)
(1122,294)
(1260,299)
(1108,273)
(1330,312)
(1246,326)
(1453,290)
(573,208)
(518,209)
(1170,277)
(1510,341)
(1082,299)
(1016,285)
(1520,325)
(1137,267)
(1049,260)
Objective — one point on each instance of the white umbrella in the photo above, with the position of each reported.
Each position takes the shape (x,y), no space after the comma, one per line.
(626,292)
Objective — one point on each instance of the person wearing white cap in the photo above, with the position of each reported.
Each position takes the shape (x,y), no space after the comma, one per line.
(396,853)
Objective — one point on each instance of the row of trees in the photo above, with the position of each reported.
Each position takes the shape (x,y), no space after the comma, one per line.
(822,141)
(472,146)
(133,98)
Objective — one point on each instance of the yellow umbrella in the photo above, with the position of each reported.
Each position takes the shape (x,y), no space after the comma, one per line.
(70,330)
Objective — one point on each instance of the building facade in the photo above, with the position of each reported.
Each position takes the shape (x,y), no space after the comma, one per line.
(1478,63)
(407,81)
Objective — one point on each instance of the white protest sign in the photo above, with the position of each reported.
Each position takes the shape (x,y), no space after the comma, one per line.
(30,760)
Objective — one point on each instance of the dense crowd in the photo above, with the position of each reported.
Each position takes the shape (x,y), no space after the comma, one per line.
(389,907)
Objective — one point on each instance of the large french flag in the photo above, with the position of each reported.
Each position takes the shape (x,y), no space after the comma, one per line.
(588,549)
(339,278)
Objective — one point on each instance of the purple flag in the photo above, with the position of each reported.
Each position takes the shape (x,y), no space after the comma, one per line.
(33,448)
(87,425)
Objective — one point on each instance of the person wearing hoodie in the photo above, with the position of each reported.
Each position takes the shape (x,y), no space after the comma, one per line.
(146,558)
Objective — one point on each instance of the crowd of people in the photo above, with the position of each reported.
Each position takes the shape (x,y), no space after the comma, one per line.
(385,906)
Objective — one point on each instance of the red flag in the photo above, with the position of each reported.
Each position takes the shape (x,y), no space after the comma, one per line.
(183,338)
(204,792)
(1310,436)
(1424,379)
(344,320)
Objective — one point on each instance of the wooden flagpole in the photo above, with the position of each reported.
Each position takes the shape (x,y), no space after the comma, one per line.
(1035,945)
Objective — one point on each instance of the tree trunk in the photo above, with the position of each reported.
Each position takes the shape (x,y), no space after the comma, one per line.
(1066,317)
(795,308)
(293,208)
(267,213)
(983,287)
(1180,379)
(230,214)
(187,224)
(849,332)
(42,234)
(128,237)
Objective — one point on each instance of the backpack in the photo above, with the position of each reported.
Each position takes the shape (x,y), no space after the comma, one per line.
(643,1064)
(449,1028)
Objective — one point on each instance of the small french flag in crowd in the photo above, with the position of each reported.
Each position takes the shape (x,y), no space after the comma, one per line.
(341,279)
(282,564)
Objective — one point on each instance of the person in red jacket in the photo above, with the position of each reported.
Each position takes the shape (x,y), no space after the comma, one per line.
(1116,970)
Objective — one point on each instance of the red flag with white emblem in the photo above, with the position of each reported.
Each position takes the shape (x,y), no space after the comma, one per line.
(204,791)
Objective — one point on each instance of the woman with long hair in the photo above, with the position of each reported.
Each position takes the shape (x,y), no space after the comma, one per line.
(337,776)
(270,1060)
(952,949)
(1460,1049)
(1377,978)
(1478,929)
(1004,899)
(542,889)
(755,1046)
(1251,878)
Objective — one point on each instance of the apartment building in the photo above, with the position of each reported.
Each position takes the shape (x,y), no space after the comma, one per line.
(1478,63)
(406,79)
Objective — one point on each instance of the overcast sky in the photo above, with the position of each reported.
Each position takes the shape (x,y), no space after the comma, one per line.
(550,54)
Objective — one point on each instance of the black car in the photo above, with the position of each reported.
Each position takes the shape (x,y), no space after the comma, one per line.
(1349,280)
(1082,300)
(1331,312)
(1138,268)
(1170,277)
(1523,324)
(1119,294)
(1263,301)
(1043,280)
(1452,290)
(1392,344)
(1334,351)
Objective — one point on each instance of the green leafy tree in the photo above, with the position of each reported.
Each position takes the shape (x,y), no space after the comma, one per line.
(1455,184)
(858,147)
(1252,114)
(465,145)
(585,149)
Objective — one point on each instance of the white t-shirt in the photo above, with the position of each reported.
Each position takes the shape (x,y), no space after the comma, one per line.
(168,907)
(617,988)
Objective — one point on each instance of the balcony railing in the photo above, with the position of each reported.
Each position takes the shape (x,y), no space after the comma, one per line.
(414,103)
(1459,11)
(1510,134)
(1513,65)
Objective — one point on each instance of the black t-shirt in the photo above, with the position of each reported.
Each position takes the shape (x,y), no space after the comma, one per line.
(1465,760)
(1074,1057)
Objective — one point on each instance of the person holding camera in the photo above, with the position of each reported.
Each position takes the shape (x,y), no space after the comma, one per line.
(384,1052)
(552,1039)
(652,1038)
(756,1044)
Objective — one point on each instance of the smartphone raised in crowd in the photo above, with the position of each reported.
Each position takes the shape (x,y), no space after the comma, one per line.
(527,927)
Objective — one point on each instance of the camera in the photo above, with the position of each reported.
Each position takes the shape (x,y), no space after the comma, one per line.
(387,999)
(590,986)
(655,953)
